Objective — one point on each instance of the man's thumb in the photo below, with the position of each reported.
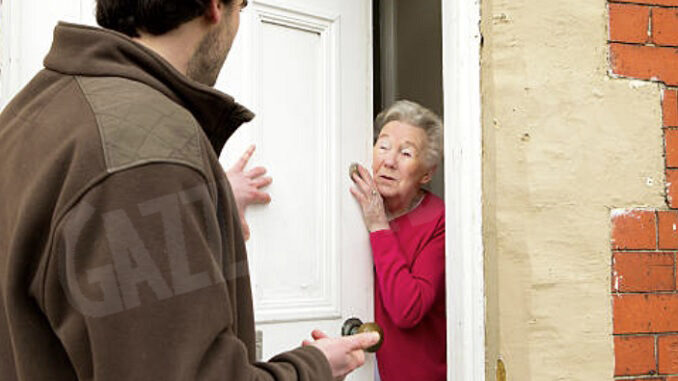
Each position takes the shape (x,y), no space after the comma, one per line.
(364,340)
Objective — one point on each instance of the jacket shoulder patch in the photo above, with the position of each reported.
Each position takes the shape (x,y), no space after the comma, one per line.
(138,124)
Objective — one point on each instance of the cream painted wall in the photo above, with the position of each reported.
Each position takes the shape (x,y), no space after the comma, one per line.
(564,143)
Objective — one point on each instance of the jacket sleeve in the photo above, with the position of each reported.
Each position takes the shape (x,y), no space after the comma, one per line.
(408,293)
(135,287)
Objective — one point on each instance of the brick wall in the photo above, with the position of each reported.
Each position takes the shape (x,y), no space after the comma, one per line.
(643,44)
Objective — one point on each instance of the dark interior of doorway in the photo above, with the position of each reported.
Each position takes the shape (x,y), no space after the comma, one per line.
(408,58)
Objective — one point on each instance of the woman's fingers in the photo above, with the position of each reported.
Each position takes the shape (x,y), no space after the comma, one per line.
(362,185)
(359,195)
(367,178)
(365,174)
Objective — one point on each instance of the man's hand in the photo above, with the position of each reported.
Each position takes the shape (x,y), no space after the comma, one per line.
(246,187)
(344,354)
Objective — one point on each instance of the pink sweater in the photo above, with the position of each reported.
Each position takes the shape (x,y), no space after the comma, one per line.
(409,263)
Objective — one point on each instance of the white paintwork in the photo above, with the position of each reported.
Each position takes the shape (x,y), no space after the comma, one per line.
(305,68)
(27,37)
(463,191)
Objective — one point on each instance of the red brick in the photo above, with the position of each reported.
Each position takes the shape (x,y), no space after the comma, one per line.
(650,2)
(634,355)
(670,108)
(629,23)
(672,189)
(664,26)
(668,229)
(667,348)
(645,313)
(633,229)
(645,62)
(671,146)
(643,272)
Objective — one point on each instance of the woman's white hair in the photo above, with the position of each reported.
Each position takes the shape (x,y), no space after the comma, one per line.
(419,116)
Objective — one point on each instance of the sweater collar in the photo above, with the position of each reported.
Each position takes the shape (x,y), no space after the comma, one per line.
(89,51)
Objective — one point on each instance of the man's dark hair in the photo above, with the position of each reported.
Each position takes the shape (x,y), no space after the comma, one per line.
(151,16)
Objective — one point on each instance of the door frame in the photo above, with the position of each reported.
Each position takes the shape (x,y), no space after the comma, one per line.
(463,191)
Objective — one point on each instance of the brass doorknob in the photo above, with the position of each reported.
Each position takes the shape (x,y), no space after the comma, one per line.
(354,325)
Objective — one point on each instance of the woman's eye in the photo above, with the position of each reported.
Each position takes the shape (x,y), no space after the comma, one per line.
(407,153)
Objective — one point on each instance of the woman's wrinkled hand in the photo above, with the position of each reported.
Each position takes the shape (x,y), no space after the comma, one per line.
(247,187)
(371,203)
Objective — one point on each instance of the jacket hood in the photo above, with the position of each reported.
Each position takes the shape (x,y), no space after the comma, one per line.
(89,51)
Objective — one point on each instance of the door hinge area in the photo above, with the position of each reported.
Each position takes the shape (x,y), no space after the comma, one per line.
(259,341)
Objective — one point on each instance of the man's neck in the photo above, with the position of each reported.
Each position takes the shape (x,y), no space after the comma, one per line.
(176,46)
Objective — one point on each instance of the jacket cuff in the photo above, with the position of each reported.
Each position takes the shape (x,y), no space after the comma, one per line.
(315,364)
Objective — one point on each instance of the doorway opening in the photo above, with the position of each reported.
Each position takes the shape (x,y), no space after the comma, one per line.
(408,59)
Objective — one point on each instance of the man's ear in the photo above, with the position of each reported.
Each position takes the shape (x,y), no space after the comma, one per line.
(214,11)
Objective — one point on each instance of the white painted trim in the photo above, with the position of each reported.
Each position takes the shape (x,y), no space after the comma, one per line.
(463,191)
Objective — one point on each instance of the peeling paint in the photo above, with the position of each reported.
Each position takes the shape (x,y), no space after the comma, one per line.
(636,84)
(632,213)
(617,279)
(619,212)
(501,18)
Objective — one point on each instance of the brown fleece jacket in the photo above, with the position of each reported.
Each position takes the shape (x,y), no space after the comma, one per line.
(121,254)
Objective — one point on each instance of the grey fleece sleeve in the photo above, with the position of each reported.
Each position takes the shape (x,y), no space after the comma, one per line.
(135,289)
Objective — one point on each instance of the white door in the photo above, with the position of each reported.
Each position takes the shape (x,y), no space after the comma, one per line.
(26,28)
(305,68)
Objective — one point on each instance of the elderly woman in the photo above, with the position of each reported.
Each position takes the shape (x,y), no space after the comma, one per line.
(407,235)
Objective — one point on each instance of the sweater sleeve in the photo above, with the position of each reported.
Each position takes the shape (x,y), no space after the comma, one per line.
(408,293)
(135,288)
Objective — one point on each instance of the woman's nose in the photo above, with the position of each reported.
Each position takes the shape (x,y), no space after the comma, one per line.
(390,160)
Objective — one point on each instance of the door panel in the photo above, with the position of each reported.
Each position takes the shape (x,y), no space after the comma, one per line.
(297,85)
(304,67)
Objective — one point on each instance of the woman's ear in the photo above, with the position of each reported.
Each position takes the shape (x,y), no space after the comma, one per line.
(428,176)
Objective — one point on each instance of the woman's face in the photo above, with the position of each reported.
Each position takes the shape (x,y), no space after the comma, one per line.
(398,161)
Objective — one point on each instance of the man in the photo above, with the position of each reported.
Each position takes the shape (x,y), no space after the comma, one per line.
(122,255)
